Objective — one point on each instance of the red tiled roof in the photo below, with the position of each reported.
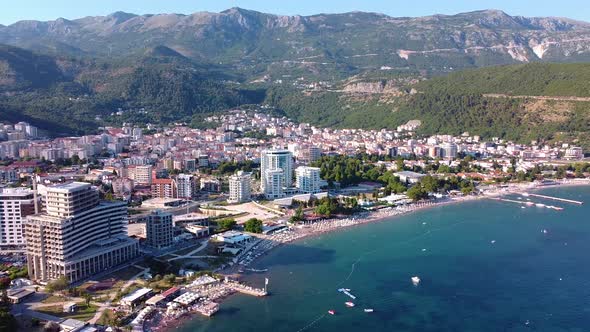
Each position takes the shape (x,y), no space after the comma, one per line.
(161,181)
(170,291)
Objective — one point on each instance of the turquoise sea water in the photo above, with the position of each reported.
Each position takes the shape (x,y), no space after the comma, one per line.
(527,280)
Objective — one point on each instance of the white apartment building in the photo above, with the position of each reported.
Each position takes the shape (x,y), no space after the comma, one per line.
(307,179)
(273,162)
(239,187)
(310,154)
(77,235)
(15,205)
(273,180)
(450,150)
(141,175)
(574,153)
(186,186)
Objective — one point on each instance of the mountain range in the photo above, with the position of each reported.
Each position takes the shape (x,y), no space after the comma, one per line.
(257,43)
(353,69)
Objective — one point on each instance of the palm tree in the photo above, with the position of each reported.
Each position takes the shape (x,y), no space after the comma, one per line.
(87,298)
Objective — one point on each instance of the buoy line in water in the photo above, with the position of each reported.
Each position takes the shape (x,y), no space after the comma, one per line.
(350,274)
(312,323)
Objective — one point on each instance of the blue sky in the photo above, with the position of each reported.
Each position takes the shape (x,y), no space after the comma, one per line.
(15,10)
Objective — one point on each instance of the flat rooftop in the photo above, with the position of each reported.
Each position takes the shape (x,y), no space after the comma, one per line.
(69,187)
(136,295)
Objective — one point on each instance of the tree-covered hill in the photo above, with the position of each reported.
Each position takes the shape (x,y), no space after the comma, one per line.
(461,102)
(73,95)
(24,70)
(534,79)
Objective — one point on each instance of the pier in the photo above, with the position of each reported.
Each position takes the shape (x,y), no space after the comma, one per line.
(555,198)
(246,289)
(527,203)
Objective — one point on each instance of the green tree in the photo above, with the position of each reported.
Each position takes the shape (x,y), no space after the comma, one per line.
(253,225)
(87,298)
(429,184)
(323,209)
(170,279)
(57,285)
(226,224)
(417,193)
(399,164)
(298,216)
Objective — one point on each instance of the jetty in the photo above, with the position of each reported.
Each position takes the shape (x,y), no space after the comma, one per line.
(555,198)
(527,203)
(240,288)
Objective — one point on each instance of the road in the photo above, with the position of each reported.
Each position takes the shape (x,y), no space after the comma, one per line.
(21,309)
(553,98)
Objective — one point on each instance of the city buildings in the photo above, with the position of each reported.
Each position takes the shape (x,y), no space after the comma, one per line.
(186,186)
(449,150)
(163,188)
(77,236)
(239,187)
(141,175)
(122,187)
(7,174)
(210,185)
(310,154)
(273,183)
(307,179)
(574,153)
(159,230)
(276,172)
(15,205)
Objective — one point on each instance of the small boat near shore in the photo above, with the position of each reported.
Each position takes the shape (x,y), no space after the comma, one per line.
(415,280)
(369,310)
(331,312)
(257,270)
(349,304)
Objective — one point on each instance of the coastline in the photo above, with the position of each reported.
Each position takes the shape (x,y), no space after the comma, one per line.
(334,224)
(312,229)
(302,232)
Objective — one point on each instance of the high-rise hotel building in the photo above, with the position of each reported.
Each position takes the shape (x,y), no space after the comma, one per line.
(15,205)
(276,172)
(77,235)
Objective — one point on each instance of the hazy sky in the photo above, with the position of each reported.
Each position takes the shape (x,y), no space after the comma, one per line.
(15,10)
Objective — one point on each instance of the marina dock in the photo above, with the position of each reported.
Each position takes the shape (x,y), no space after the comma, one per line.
(555,198)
